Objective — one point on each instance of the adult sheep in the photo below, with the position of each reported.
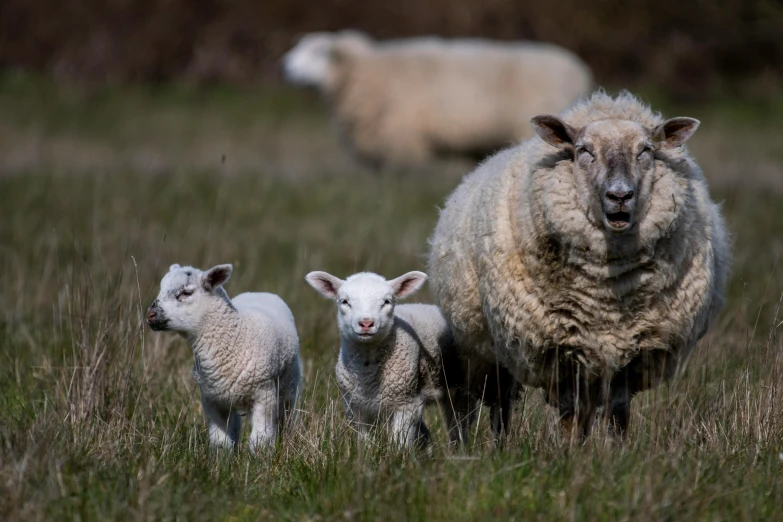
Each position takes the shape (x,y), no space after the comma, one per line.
(404,101)
(588,261)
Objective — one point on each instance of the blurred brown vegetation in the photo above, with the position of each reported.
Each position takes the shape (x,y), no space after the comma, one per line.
(687,47)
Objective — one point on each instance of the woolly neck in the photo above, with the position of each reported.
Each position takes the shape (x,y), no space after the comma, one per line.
(368,353)
(219,329)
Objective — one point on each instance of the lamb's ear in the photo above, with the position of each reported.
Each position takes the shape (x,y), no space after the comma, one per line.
(674,132)
(554,131)
(324,283)
(173,267)
(216,276)
(408,284)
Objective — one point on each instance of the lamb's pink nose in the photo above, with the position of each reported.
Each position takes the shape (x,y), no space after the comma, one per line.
(366,324)
(151,314)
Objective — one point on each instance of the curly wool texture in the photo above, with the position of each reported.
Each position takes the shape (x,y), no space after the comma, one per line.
(406,101)
(247,352)
(522,273)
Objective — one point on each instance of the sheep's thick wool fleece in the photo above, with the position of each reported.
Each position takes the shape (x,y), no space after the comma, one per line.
(405,369)
(247,350)
(520,269)
(405,100)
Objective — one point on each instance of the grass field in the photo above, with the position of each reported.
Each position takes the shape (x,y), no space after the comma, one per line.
(100,419)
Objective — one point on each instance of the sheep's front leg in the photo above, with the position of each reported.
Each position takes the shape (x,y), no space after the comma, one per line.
(500,412)
(408,428)
(500,417)
(264,423)
(459,413)
(224,425)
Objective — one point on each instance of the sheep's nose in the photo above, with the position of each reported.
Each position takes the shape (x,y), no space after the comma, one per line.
(366,323)
(619,196)
(151,313)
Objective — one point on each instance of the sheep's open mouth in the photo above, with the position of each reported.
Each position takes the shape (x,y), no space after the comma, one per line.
(618,220)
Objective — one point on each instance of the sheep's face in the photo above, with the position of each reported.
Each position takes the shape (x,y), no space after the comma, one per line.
(314,60)
(613,161)
(186,295)
(365,301)
(308,63)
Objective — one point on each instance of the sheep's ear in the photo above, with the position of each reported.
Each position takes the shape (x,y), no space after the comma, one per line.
(216,276)
(349,43)
(408,284)
(355,36)
(554,131)
(324,283)
(173,267)
(674,132)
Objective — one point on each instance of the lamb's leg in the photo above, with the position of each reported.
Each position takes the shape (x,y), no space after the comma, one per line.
(408,428)
(356,420)
(224,426)
(264,421)
(286,414)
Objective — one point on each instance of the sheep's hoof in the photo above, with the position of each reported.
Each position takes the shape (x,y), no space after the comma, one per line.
(574,432)
(569,427)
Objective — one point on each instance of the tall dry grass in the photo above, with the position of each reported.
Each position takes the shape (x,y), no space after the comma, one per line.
(100,418)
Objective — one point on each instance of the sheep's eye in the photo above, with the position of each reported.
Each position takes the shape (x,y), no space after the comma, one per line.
(184,293)
(344,302)
(645,150)
(387,302)
(583,150)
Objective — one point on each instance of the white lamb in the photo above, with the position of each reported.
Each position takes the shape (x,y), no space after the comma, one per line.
(391,362)
(402,102)
(246,351)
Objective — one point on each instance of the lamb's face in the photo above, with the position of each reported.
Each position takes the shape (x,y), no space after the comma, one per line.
(614,161)
(365,301)
(365,308)
(186,295)
(308,63)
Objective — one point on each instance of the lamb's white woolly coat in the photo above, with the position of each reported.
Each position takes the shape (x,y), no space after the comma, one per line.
(520,270)
(246,352)
(391,381)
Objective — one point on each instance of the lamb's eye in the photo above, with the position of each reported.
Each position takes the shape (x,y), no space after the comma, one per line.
(184,293)
(344,302)
(644,152)
(387,302)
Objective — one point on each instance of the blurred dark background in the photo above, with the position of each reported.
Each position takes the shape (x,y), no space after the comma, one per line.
(688,48)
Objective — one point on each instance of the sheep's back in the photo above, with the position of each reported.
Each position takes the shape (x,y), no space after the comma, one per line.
(274,322)
(268,305)
(456,95)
